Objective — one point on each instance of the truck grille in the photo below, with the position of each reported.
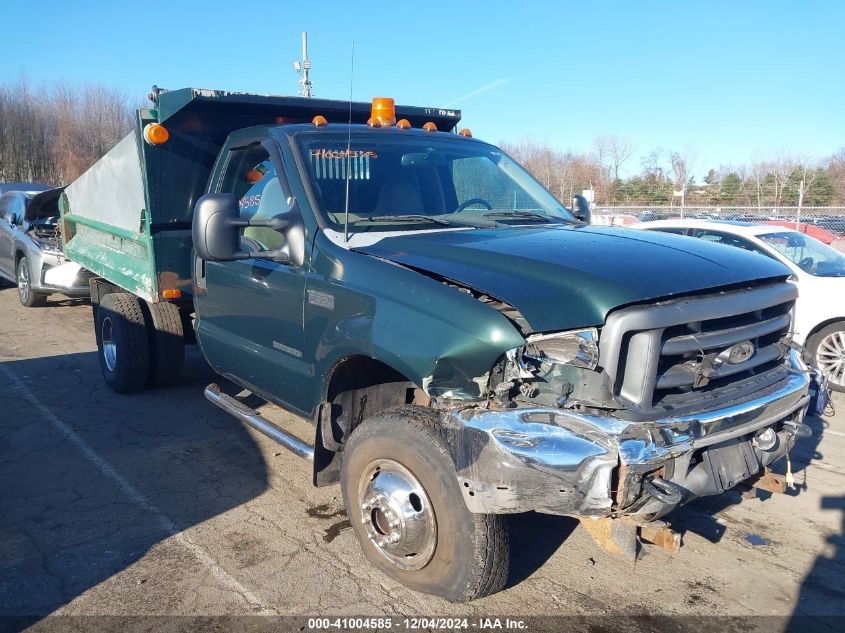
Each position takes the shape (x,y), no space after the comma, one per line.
(655,354)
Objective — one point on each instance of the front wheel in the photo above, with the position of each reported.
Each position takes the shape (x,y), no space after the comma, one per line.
(27,295)
(827,349)
(403,500)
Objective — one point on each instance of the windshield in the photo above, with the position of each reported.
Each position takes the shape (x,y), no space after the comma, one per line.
(807,253)
(405,181)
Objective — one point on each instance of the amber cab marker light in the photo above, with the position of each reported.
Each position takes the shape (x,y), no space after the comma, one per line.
(155,134)
(173,293)
(384,112)
(319,121)
(466,132)
(403,124)
(430,127)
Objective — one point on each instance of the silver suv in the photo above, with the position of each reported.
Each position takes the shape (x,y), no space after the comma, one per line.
(31,247)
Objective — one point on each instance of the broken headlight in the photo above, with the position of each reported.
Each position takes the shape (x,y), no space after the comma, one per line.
(553,370)
(579,348)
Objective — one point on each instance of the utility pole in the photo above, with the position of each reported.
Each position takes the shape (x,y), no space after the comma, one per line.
(302,68)
(800,203)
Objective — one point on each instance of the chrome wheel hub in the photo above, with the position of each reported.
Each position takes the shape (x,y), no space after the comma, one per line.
(397,514)
(830,357)
(23,283)
(109,346)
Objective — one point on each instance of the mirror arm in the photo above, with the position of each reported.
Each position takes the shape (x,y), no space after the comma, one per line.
(277,222)
(276,256)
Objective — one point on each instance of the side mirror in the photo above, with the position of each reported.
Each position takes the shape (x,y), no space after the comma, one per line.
(216,230)
(581,208)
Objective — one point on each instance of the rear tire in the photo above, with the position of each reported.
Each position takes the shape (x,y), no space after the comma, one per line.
(440,547)
(827,352)
(123,342)
(167,344)
(26,294)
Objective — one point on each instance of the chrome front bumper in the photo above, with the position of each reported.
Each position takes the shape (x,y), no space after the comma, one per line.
(567,463)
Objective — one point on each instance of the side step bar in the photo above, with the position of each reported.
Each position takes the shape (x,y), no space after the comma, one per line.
(252,418)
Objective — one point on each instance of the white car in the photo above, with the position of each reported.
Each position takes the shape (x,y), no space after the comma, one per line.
(818,270)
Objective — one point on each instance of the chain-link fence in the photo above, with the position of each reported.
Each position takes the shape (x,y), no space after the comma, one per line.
(826,224)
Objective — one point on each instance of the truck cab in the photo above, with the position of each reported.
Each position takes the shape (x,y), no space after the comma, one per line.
(465,345)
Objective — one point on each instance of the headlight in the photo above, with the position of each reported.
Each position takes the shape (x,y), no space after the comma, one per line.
(576,347)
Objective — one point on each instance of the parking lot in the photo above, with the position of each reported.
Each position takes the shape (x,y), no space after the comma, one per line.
(158,503)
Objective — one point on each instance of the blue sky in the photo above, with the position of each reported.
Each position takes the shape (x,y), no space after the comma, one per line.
(734,81)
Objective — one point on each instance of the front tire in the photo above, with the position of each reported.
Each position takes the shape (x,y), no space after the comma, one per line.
(26,294)
(122,342)
(827,350)
(406,508)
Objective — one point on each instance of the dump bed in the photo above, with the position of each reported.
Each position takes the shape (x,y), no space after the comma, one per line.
(128,218)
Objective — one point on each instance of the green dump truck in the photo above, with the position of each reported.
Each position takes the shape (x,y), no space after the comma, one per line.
(465,345)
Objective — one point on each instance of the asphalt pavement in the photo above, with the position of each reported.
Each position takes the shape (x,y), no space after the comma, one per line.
(158,503)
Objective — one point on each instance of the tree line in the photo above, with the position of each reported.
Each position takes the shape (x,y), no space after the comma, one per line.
(51,134)
(667,177)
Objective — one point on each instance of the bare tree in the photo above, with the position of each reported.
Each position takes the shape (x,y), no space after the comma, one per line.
(52,134)
(612,152)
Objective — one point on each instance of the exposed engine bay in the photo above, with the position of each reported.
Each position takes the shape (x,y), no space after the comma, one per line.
(552,370)
(46,232)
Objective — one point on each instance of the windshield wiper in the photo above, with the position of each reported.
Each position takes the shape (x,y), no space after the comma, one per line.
(519,215)
(404,218)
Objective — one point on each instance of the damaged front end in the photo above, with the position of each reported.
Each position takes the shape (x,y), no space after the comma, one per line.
(677,401)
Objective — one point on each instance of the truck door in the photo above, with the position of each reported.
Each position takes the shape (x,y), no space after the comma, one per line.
(250,311)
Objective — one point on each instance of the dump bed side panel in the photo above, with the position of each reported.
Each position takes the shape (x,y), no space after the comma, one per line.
(105,217)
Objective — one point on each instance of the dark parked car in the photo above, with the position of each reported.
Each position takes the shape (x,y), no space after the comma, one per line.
(31,248)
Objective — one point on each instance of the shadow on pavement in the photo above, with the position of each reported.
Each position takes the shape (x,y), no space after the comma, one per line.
(67,522)
(701,515)
(535,538)
(821,601)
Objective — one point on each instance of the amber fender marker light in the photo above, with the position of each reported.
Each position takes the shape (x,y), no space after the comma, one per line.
(319,121)
(403,124)
(466,132)
(430,127)
(155,134)
(383,112)
(173,293)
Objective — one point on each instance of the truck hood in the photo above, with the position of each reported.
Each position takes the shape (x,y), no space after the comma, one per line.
(569,276)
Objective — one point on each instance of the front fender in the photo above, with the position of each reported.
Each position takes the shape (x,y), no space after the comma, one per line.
(443,340)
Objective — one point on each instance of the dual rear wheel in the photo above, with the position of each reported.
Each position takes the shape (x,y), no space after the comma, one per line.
(140,344)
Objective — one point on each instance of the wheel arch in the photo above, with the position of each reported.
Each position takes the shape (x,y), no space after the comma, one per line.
(823,324)
(356,386)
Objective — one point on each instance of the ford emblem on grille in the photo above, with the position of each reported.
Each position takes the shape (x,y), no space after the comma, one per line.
(740,352)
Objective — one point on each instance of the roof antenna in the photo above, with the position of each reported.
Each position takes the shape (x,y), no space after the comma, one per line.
(348,152)
(303,68)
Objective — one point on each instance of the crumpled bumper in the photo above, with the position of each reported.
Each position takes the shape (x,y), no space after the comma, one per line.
(568,463)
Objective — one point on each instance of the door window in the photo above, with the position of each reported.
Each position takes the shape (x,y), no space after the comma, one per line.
(5,202)
(672,231)
(250,176)
(726,238)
